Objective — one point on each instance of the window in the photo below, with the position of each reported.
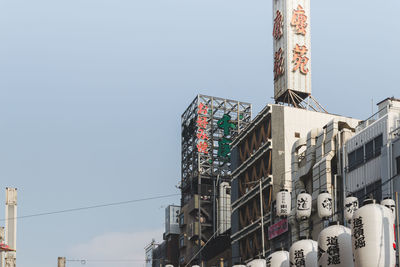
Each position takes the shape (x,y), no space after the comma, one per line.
(181,219)
(181,241)
(356,158)
(378,142)
(374,189)
(360,155)
(398,164)
(352,160)
(369,150)
(372,149)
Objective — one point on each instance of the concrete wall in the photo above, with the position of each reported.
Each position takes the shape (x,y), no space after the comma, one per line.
(286,122)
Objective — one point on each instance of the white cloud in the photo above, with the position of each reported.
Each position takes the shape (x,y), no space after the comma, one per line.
(115,246)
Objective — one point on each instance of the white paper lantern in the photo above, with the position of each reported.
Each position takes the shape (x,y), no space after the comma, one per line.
(334,247)
(257,263)
(389,203)
(324,204)
(304,253)
(373,236)
(283,203)
(278,258)
(350,206)
(303,206)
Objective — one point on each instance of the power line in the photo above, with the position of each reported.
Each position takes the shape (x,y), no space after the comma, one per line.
(84,261)
(91,207)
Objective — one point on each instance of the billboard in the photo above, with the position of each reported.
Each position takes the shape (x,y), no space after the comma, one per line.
(292,48)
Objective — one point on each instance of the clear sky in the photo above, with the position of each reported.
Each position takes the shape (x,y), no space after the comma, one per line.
(91,93)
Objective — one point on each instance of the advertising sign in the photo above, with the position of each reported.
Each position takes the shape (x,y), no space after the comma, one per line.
(292,47)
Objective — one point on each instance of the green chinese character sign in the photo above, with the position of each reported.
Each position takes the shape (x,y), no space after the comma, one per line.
(226,124)
(224,145)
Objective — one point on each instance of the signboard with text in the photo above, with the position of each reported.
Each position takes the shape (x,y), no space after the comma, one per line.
(292,47)
(278,228)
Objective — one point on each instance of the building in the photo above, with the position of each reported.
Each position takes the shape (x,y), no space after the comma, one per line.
(148,250)
(159,255)
(209,125)
(317,167)
(373,154)
(347,158)
(262,158)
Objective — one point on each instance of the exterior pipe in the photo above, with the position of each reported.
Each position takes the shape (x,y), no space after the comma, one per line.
(262,220)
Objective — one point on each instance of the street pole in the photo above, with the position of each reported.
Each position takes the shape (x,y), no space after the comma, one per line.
(61,262)
(262,220)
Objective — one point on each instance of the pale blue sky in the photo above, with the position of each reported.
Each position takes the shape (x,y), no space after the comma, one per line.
(91,93)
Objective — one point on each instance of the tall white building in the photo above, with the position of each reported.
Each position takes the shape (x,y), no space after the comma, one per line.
(372,154)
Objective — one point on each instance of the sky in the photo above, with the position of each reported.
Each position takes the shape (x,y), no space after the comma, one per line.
(91,94)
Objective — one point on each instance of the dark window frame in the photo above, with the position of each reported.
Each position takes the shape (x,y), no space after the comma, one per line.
(398,165)
(362,154)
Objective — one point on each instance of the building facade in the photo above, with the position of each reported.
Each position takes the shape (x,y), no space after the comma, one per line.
(209,125)
(372,154)
(262,162)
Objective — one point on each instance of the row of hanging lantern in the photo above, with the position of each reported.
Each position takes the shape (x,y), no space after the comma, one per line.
(324,204)
(304,204)
(369,242)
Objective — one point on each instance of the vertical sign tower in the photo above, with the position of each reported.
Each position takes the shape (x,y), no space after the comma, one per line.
(292,51)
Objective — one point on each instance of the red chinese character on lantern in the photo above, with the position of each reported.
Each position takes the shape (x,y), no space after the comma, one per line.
(299,20)
(202,109)
(278,64)
(299,59)
(278,26)
(202,122)
(202,147)
(202,134)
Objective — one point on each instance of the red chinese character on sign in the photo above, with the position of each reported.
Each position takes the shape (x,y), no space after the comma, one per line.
(299,59)
(278,26)
(202,122)
(278,64)
(202,147)
(202,109)
(299,20)
(202,134)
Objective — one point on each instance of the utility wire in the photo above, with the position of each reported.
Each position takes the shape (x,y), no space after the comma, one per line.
(91,207)
(84,261)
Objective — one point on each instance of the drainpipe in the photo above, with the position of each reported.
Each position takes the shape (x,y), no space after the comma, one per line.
(262,220)
(344,153)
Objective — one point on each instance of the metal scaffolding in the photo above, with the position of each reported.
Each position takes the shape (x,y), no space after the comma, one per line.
(214,159)
(209,126)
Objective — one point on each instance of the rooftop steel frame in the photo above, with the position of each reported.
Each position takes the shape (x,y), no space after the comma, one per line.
(210,164)
(209,126)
